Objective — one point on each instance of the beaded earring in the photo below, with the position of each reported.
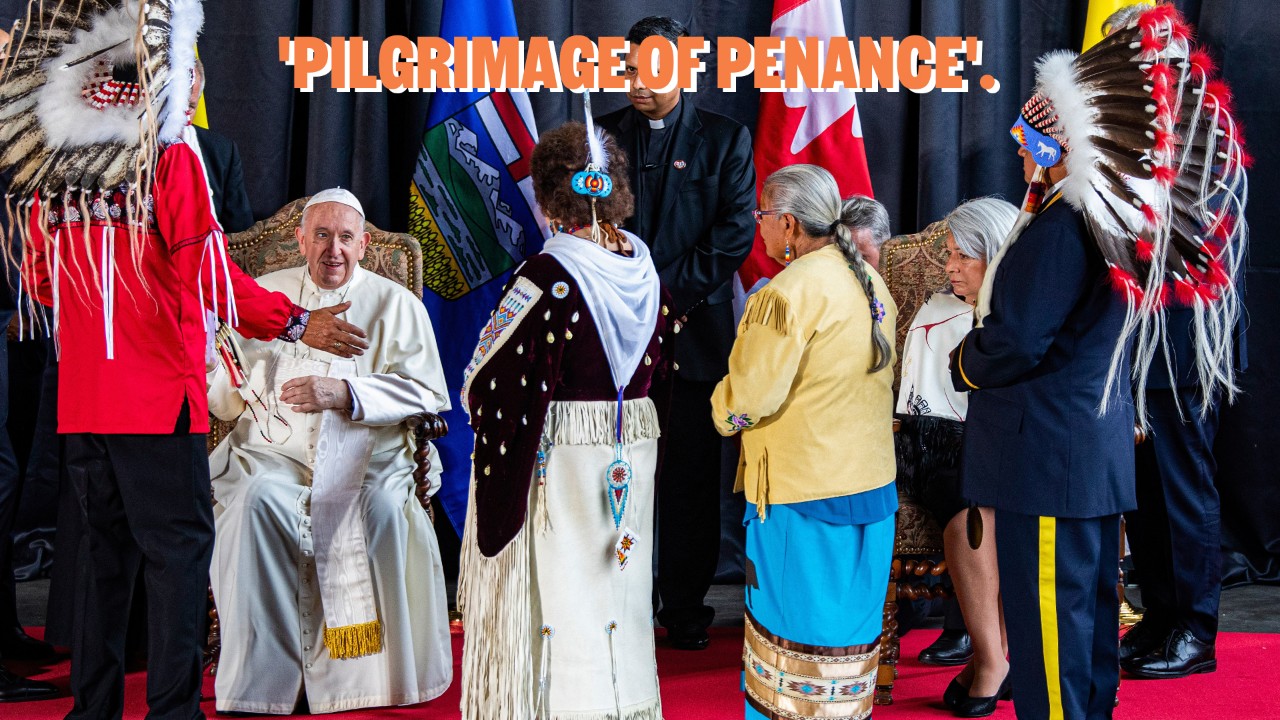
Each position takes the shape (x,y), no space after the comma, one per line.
(786,255)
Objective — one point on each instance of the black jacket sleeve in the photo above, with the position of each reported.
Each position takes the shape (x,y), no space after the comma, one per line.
(711,262)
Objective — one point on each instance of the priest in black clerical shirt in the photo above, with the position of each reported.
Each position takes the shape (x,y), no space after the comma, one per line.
(695,183)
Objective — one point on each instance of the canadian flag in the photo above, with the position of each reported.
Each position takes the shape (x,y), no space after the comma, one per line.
(804,126)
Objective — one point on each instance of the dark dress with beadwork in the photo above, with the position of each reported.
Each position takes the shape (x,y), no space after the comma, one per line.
(556,584)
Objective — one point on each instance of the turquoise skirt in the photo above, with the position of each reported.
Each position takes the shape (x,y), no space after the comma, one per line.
(815,600)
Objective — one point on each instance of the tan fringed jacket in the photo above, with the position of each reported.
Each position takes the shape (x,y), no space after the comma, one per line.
(815,424)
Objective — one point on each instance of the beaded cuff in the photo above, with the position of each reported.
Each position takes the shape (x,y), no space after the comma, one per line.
(296,326)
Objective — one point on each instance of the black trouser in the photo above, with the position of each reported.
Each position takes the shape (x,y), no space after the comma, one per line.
(1062,613)
(33,442)
(688,508)
(10,494)
(148,504)
(1175,533)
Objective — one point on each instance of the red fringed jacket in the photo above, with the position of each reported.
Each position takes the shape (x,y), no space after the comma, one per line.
(132,344)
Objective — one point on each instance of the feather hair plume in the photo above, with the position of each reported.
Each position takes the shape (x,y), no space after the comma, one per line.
(596,153)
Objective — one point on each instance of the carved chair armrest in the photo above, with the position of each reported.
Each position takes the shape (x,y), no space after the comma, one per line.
(425,427)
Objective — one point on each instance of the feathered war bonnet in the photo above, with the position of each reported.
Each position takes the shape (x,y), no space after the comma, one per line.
(91,93)
(1156,164)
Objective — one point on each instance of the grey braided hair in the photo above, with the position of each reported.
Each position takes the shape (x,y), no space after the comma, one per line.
(811,195)
(980,226)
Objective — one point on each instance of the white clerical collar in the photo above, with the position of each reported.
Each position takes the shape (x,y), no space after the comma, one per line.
(661,123)
(309,286)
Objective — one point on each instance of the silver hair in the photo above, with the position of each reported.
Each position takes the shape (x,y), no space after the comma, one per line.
(811,195)
(980,226)
(863,213)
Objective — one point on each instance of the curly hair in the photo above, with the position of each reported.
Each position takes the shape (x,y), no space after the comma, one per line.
(561,153)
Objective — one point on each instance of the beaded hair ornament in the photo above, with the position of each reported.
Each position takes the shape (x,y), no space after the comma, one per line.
(594,181)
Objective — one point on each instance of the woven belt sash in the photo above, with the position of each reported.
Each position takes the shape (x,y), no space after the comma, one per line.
(790,680)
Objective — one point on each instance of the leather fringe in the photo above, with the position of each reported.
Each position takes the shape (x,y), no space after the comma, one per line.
(770,309)
(497,648)
(595,422)
(353,641)
(762,486)
(651,710)
(925,446)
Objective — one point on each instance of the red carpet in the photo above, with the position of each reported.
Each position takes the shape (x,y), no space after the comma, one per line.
(705,686)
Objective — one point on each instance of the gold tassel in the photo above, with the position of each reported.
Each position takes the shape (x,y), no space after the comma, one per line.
(770,309)
(353,641)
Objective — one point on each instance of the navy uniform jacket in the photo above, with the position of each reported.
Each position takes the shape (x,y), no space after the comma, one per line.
(705,230)
(1034,443)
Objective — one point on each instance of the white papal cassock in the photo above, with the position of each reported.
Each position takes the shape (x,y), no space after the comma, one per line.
(297,523)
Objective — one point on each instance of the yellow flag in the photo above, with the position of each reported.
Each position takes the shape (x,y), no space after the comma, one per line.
(1099,11)
(200,119)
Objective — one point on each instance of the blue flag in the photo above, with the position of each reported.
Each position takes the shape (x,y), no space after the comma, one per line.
(472,209)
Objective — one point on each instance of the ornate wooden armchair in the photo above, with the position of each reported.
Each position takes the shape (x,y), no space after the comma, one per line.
(271,245)
(913,268)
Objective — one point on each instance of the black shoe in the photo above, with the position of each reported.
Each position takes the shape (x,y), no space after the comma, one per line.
(976,707)
(1181,655)
(953,647)
(688,637)
(1142,638)
(16,644)
(955,693)
(19,689)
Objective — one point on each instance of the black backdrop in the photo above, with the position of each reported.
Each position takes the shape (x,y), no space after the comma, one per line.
(926,152)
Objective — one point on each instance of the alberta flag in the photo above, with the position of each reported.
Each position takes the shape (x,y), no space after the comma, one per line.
(472,209)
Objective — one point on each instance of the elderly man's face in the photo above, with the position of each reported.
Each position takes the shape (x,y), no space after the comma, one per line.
(333,240)
(4,44)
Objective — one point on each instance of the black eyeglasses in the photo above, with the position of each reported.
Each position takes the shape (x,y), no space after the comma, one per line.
(759,214)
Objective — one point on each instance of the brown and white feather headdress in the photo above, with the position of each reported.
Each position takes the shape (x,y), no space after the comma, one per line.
(91,93)
(1156,164)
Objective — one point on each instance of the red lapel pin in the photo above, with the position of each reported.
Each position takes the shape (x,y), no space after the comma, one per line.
(679,164)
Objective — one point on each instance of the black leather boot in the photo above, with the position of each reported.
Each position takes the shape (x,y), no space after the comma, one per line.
(953,647)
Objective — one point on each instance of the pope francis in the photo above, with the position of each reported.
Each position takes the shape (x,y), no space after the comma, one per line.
(326,571)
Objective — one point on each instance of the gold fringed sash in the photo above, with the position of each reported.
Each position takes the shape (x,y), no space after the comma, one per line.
(353,641)
(790,680)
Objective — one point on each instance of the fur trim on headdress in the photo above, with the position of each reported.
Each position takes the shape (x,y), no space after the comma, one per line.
(51,136)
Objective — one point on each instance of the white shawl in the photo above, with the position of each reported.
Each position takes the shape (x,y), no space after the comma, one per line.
(623,294)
